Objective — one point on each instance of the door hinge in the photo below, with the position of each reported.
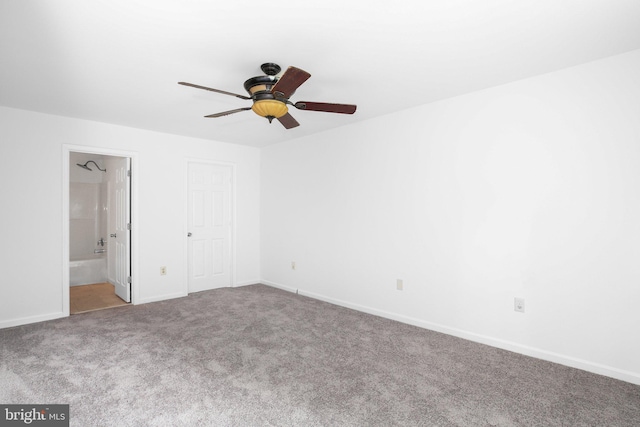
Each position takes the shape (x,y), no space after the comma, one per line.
(128,226)
(129,172)
(128,279)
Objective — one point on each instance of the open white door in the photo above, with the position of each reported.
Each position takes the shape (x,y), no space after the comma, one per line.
(120,228)
(209,226)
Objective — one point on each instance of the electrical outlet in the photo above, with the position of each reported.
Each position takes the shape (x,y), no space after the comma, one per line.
(399,284)
(163,271)
(293,265)
(518,305)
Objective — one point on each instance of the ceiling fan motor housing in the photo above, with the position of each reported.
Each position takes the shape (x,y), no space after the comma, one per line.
(260,84)
(265,103)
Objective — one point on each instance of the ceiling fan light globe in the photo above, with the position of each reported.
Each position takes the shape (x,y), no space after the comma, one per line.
(270,108)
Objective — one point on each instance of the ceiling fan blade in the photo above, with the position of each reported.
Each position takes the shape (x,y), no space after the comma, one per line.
(214,90)
(288,121)
(326,107)
(226,113)
(289,82)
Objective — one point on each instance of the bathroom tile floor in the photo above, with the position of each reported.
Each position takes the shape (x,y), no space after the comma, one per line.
(93,297)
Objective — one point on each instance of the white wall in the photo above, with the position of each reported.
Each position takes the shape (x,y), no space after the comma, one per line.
(31,153)
(530,189)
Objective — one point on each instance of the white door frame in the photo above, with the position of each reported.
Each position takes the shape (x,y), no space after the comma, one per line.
(66,151)
(232,251)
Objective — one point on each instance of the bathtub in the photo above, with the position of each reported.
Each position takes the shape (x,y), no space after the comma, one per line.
(88,269)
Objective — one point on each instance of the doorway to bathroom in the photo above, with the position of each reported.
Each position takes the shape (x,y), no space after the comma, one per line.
(99,231)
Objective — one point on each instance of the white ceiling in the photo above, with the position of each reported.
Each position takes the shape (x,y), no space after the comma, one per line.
(119,61)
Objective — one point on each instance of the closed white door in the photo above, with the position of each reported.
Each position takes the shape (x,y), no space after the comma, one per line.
(119,229)
(209,226)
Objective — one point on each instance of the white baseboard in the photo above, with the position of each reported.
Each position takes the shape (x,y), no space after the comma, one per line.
(32,319)
(162,298)
(279,286)
(249,283)
(585,365)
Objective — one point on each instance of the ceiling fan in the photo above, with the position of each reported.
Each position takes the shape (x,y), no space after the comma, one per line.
(270,96)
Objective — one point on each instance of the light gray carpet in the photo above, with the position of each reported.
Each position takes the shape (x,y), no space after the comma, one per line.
(258,356)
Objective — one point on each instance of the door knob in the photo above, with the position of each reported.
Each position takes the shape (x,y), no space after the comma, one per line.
(189,234)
